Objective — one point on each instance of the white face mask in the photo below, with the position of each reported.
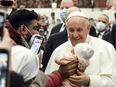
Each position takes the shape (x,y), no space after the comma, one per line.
(28,30)
(28,38)
(100,26)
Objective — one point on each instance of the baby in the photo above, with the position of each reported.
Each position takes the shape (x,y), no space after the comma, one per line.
(83,52)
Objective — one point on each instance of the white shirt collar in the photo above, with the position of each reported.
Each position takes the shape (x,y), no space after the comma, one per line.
(62,28)
(101,34)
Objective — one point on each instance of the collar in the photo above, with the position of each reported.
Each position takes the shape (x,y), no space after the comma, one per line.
(87,39)
(101,33)
(63,27)
(13,33)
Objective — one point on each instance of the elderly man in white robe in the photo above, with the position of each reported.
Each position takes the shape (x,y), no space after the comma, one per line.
(102,69)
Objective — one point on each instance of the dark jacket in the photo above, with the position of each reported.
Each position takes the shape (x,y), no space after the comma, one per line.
(53,42)
(56,28)
(111,36)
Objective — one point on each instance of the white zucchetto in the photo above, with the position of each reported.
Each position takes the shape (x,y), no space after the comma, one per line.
(76,13)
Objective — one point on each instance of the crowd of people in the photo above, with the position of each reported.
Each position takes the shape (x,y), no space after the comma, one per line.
(61,59)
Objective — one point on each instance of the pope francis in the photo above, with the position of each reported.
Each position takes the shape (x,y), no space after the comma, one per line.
(102,69)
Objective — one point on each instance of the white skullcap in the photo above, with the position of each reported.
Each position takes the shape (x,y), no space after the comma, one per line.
(76,13)
(84,50)
(24,62)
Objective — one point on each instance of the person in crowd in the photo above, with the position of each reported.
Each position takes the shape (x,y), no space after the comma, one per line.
(58,21)
(22,7)
(55,40)
(14,7)
(101,71)
(102,26)
(22,25)
(92,5)
(65,4)
(53,16)
(92,22)
(12,80)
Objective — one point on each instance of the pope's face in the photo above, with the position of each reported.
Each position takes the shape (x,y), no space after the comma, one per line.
(78,30)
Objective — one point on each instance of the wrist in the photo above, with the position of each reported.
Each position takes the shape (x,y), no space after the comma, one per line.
(60,73)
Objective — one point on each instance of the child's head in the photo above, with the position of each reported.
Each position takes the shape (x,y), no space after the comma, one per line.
(83,50)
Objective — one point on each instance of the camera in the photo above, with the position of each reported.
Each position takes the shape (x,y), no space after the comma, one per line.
(6,2)
(2,24)
(4,64)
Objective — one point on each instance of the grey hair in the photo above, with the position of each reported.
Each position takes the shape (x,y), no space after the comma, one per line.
(106,16)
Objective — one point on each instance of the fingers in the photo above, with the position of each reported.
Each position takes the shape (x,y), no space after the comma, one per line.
(72,67)
(79,73)
(73,62)
(73,85)
(74,80)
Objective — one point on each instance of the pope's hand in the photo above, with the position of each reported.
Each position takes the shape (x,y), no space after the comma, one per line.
(68,69)
(79,79)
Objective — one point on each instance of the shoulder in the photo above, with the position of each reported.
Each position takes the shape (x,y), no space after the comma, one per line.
(21,49)
(23,53)
(100,42)
(59,25)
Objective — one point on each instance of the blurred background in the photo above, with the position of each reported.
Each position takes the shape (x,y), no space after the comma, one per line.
(47,8)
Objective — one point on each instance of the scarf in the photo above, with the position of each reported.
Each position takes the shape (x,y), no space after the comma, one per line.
(14,34)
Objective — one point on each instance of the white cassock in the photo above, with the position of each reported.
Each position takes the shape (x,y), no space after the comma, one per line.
(102,68)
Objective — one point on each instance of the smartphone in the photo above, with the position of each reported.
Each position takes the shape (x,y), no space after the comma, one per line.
(6,2)
(4,64)
(2,24)
(37,43)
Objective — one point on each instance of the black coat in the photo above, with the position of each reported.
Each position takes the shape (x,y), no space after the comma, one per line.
(111,36)
(56,28)
(16,80)
(53,42)
(93,32)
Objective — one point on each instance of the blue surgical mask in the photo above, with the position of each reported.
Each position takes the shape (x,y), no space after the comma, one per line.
(62,14)
(58,22)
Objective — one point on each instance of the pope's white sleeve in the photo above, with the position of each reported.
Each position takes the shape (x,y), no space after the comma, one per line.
(101,81)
